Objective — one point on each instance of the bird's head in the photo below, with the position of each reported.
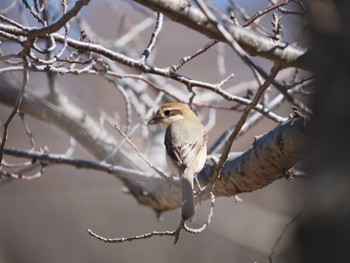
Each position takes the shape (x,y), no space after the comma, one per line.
(170,113)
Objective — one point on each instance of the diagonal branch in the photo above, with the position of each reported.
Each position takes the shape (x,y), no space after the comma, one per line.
(17,104)
(58,110)
(253,43)
(249,61)
(233,135)
(268,159)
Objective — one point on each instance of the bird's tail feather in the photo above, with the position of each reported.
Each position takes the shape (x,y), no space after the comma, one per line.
(187,209)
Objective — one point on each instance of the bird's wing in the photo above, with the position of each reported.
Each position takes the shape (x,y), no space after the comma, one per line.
(184,154)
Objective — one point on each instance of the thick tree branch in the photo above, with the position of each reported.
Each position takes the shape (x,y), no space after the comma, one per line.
(59,111)
(269,159)
(255,44)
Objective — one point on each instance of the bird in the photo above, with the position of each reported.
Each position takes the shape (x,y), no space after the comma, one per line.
(185,142)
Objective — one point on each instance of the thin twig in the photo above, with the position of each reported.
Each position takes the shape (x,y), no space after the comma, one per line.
(15,108)
(218,145)
(233,135)
(71,148)
(279,238)
(245,17)
(34,13)
(277,27)
(207,222)
(124,239)
(175,233)
(28,131)
(52,158)
(128,110)
(247,59)
(184,60)
(60,22)
(135,127)
(51,77)
(265,11)
(221,59)
(11,22)
(165,72)
(22,176)
(155,169)
(16,165)
(213,87)
(155,34)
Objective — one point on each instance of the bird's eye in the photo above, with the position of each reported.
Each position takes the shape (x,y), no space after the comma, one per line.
(167,112)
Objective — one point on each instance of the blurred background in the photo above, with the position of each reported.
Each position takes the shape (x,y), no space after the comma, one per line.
(46,219)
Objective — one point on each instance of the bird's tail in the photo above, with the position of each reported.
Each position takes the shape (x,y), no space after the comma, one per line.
(187,209)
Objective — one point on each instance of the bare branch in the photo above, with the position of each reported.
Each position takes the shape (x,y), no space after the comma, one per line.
(61,22)
(155,34)
(28,131)
(207,222)
(155,169)
(14,111)
(256,45)
(278,240)
(277,27)
(175,233)
(246,172)
(164,72)
(266,161)
(231,138)
(124,239)
(267,10)
(53,49)
(246,59)
(184,60)
(51,158)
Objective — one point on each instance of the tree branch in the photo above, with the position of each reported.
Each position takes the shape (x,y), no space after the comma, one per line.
(58,110)
(253,43)
(269,158)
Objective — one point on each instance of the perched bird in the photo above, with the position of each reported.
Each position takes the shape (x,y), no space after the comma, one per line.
(186,148)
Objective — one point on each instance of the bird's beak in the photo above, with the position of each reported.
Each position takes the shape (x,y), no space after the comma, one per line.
(154,120)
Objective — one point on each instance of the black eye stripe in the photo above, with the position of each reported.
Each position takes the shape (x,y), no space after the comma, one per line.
(171,112)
